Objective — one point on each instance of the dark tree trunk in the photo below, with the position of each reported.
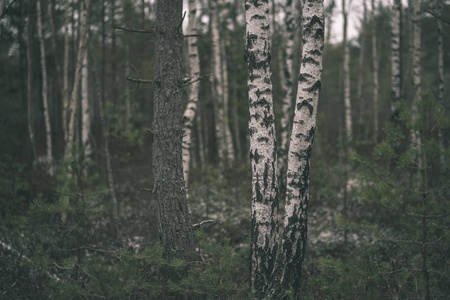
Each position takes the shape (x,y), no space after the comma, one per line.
(174,224)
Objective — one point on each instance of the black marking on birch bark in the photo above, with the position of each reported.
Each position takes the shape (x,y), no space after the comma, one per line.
(251,86)
(255,156)
(315,52)
(265,176)
(267,91)
(315,20)
(252,130)
(263,139)
(267,27)
(252,78)
(316,86)
(318,35)
(267,120)
(267,80)
(307,104)
(310,60)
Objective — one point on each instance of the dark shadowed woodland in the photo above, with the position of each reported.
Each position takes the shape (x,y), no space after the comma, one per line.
(212,149)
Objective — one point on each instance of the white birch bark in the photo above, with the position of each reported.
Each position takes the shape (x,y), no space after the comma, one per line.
(262,145)
(300,147)
(85,110)
(287,69)
(375,75)
(65,105)
(76,84)
(217,85)
(48,129)
(346,75)
(191,109)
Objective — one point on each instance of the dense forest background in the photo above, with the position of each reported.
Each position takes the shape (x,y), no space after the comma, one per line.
(83,225)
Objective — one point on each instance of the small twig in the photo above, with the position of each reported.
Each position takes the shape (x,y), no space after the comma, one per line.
(131,29)
(202,223)
(188,81)
(146,190)
(437,17)
(139,81)
(6,9)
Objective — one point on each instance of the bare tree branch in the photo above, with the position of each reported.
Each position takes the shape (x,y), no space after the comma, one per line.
(437,17)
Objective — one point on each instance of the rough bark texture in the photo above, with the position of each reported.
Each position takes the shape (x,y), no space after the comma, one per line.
(346,75)
(262,146)
(395,61)
(300,147)
(288,70)
(174,224)
(72,113)
(375,75)
(48,129)
(191,109)
(85,110)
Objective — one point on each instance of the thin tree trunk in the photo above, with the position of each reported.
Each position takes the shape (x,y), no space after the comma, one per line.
(127,14)
(287,68)
(362,53)
(217,86)
(76,82)
(85,110)
(396,61)
(226,123)
(441,76)
(375,75)
(329,20)
(109,171)
(65,104)
(346,77)
(416,65)
(30,86)
(264,215)
(48,129)
(191,109)
(174,224)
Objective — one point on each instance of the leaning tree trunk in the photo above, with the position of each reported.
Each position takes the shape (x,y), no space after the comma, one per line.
(72,113)
(375,76)
(396,61)
(287,69)
(300,148)
(346,77)
(262,146)
(48,129)
(191,109)
(174,224)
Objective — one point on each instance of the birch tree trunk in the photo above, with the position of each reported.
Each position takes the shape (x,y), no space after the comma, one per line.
(300,147)
(262,146)
(76,82)
(65,103)
(396,61)
(226,123)
(375,75)
(346,75)
(362,53)
(174,224)
(127,15)
(30,85)
(217,86)
(416,65)
(287,69)
(85,110)
(441,75)
(48,129)
(191,109)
